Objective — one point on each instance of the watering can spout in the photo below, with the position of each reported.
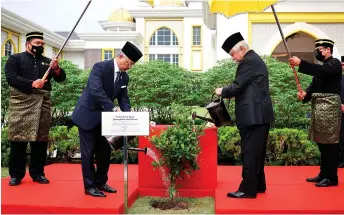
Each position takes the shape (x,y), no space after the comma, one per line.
(194,116)
(144,150)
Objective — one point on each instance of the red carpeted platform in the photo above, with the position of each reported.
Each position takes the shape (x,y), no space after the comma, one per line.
(287,193)
(65,193)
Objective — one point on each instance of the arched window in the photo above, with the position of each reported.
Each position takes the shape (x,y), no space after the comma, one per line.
(9,48)
(160,39)
(163,37)
(295,41)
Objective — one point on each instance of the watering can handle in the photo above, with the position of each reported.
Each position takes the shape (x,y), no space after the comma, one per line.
(212,99)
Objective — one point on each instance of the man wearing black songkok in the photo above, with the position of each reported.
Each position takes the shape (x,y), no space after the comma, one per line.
(108,80)
(253,111)
(324,94)
(29,114)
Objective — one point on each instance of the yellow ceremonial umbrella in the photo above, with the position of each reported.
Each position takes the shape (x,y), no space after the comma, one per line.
(230,8)
(150,2)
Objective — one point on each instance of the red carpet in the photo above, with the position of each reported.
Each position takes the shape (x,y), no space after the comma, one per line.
(287,192)
(65,193)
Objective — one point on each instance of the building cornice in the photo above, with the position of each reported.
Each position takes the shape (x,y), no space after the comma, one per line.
(75,45)
(113,36)
(167,12)
(106,25)
(22,26)
(18,24)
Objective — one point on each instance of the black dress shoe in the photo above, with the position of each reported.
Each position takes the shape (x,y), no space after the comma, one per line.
(41,180)
(14,182)
(341,164)
(326,183)
(107,188)
(315,179)
(239,194)
(94,192)
(261,191)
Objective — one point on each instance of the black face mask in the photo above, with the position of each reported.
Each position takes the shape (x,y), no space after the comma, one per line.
(37,50)
(318,55)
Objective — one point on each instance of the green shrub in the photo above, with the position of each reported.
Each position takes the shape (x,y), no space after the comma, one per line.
(229,143)
(285,147)
(179,148)
(5,148)
(64,96)
(65,141)
(5,92)
(291,147)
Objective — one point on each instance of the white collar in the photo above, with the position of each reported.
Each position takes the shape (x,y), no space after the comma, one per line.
(115,63)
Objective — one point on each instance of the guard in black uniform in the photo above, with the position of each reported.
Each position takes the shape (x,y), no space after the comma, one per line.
(341,140)
(324,92)
(29,115)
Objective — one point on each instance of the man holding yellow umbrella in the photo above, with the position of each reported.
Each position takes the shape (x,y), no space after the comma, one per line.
(324,94)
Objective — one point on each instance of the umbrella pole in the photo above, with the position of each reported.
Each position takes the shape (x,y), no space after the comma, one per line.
(299,88)
(58,53)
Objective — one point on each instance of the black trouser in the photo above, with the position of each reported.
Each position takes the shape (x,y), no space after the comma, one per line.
(17,162)
(253,149)
(92,143)
(329,161)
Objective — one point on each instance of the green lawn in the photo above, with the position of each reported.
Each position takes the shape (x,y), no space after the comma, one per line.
(196,206)
(4,172)
(201,111)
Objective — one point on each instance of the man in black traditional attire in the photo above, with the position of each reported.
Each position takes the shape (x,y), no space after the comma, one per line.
(324,93)
(29,114)
(253,111)
(341,139)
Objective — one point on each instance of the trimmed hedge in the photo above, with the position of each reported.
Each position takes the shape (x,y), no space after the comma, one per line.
(285,147)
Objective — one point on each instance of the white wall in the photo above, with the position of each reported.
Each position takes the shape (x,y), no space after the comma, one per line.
(76,58)
(48,51)
(187,49)
(207,59)
(209,52)
(309,6)
(140,27)
(105,44)
(23,41)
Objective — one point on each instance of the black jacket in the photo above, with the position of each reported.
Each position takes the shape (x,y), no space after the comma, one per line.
(99,94)
(327,77)
(23,68)
(253,104)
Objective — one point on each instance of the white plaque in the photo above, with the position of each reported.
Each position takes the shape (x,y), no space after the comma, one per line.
(125,123)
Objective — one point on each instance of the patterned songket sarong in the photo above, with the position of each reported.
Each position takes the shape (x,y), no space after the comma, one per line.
(29,115)
(326,118)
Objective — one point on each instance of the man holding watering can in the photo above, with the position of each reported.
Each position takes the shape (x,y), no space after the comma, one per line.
(253,111)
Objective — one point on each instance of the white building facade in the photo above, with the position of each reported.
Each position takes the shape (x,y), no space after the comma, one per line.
(303,20)
(185,34)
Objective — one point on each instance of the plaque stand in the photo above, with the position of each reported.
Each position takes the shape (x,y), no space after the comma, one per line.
(125,151)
